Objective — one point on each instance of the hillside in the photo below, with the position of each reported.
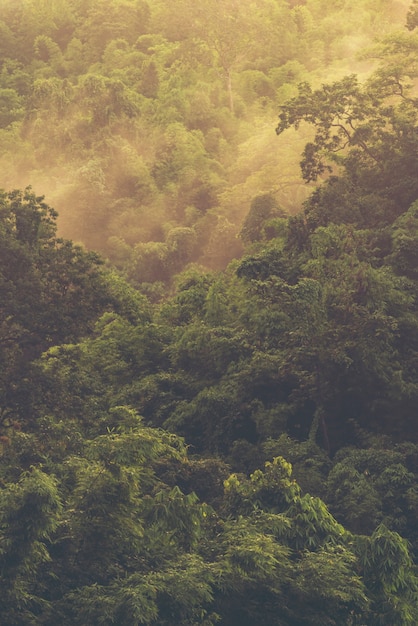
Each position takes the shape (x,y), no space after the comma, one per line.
(208,381)
(150,126)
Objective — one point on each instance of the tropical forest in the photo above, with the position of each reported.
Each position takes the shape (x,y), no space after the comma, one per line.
(209,312)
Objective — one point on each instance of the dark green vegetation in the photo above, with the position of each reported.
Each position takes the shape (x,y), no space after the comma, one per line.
(244,450)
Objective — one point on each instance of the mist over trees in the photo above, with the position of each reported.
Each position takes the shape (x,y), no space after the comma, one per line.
(208,380)
(136,119)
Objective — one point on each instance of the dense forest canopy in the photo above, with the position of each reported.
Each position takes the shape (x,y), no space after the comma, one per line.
(208,398)
(148,126)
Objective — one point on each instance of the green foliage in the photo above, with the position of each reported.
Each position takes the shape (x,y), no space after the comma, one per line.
(156,121)
(271,501)
(138,118)
(386,566)
(263,208)
(412,16)
(10,107)
(52,292)
(368,131)
(374,485)
(97,535)
(31,510)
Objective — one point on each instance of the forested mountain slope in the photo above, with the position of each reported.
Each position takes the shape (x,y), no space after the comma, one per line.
(149,126)
(242,450)
(106,518)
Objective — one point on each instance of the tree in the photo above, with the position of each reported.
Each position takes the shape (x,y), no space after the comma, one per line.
(227,30)
(51,292)
(30,513)
(374,485)
(318,546)
(105,21)
(11,107)
(412,16)
(118,543)
(392,584)
(263,208)
(368,129)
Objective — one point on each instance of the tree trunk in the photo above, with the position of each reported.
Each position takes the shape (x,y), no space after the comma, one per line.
(230,93)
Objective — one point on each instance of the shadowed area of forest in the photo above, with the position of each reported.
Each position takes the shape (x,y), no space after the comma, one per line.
(208,346)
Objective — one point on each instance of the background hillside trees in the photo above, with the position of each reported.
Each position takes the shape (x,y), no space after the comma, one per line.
(135,118)
(147,442)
